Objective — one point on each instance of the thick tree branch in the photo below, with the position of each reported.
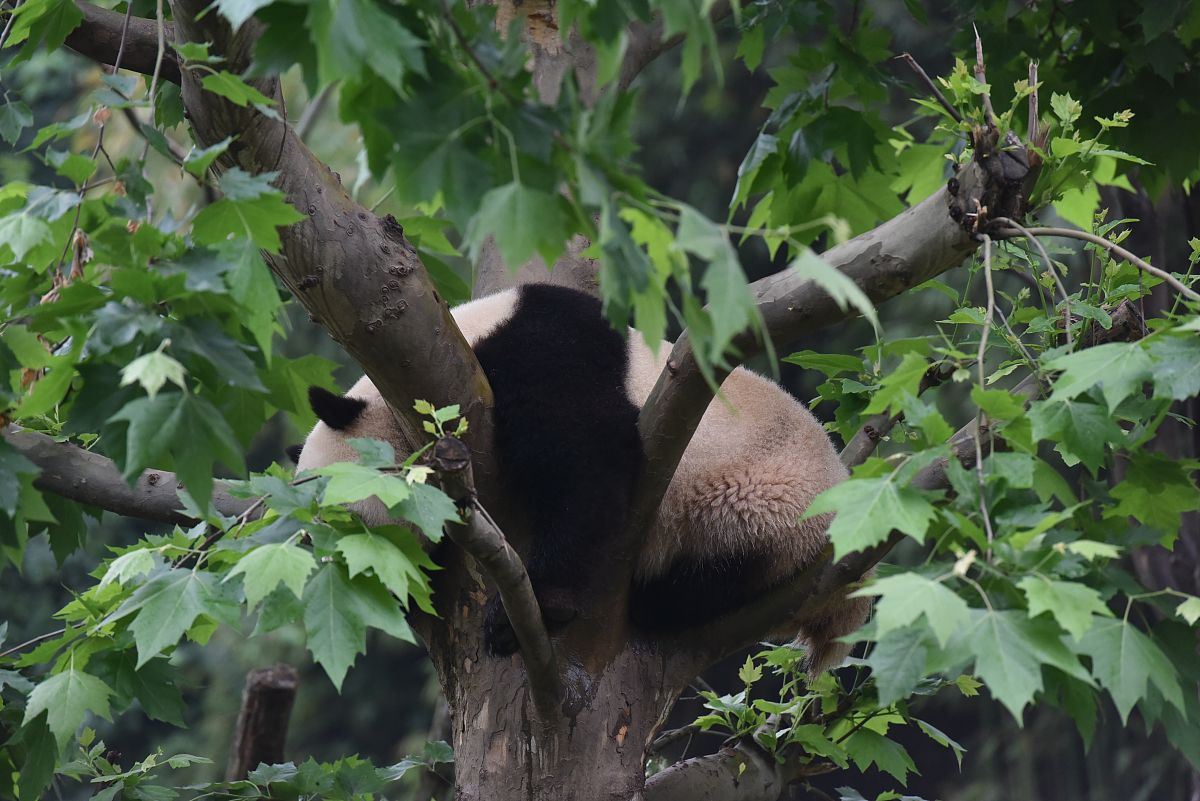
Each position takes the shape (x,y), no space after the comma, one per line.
(913,247)
(95,480)
(356,273)
(479,536)
(99,38)
(741,773)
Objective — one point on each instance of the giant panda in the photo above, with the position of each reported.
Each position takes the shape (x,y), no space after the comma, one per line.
(567,391)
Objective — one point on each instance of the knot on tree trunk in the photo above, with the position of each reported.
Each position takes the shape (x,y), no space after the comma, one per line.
(996,182)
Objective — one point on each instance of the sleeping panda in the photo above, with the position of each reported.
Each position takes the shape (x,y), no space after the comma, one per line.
(567,392)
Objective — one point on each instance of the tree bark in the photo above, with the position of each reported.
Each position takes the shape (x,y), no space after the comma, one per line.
(262,724)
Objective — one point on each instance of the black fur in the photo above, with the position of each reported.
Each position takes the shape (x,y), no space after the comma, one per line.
(566,435)
(293,452)
(335,411)
(692,592)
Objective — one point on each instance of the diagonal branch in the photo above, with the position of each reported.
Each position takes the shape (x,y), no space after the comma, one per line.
(99,38)
(909,249)
(485,542)
(79,475)
(356,273)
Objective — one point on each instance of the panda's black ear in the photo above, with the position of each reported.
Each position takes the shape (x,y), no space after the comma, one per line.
(293,452)
(335,411)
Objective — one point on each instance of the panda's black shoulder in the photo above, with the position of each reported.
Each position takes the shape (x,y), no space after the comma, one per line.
(558,374)
(558,337)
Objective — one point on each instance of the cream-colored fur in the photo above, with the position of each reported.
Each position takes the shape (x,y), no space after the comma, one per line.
(754,464)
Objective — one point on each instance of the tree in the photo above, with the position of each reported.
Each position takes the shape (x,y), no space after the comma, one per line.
(139,338)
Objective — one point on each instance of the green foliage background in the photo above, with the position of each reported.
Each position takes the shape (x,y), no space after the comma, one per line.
(787,128)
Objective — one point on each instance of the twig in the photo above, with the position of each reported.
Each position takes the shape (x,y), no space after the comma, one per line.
(1111,247)
(931,86)
(867,438)
(177,154)
(1062,289)
(158,61)
(981,76)
(1034,125)
(49,635)
(980,415)
(480,537)
(312,112)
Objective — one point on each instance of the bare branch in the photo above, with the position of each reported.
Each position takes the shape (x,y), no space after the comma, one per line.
(741,773)
(485,542)
(981,76)
(99,38)
(931,86)
(646,43)
(95,480)
(867,438)
(1111,247)
(262,724)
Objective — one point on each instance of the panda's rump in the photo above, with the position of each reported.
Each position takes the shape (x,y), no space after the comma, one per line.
(730,521)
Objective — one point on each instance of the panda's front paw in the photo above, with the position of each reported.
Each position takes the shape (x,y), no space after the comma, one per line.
(498,636)
(559,607)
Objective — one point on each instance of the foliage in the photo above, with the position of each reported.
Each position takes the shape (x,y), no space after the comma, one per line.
(147,333)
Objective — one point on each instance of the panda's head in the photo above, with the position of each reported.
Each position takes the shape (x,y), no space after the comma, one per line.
(361,412)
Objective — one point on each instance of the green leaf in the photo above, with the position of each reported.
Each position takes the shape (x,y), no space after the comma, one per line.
(942,739)
(255,219)
(198,160)
(1189,610)
(523,221)
(66,698)
(831,364)
(23,232)
(1090,549)
(234,89)
(1176,367)
(897,663)
(43,23)
(1009,651)
(128,566)
(268,566)
(350,482)
(168,605)
(333,622)
(1072,604)
(905,597)
(15,116)
(397,560)
(41,753)
(152,370)
(360,35)
(186,426)
(730,306)
(429,509)
(1118,368)
(1082,429)
(1156,490)
(867,748)
(1124,660)
(238,11)
(868,509)
(845,293)
(898,385)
